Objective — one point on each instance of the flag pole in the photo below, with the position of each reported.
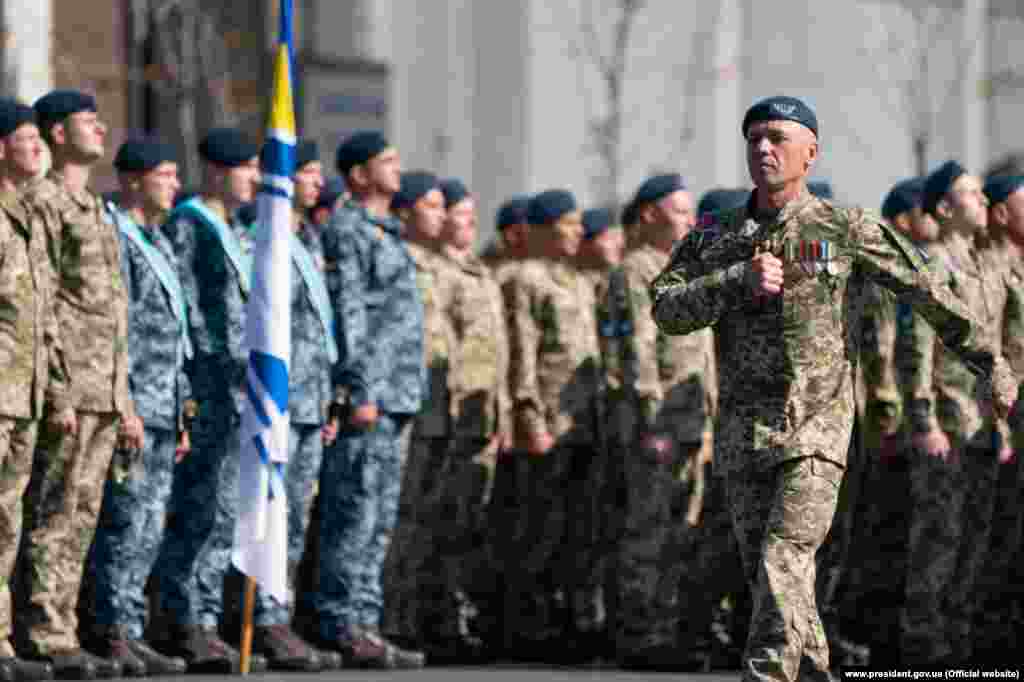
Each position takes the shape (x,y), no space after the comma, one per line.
(247,609)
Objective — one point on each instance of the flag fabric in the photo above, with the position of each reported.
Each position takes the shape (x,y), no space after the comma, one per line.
(261,546)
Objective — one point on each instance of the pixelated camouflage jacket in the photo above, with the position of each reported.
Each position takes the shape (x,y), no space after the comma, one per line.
(786,361)
(309,375)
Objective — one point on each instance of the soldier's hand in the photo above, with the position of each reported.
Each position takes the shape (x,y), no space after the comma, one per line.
(329,432)
(540,443)
(764,275)
(934,443)
(184,446)
(65,421)
(1006,453)
(365,416)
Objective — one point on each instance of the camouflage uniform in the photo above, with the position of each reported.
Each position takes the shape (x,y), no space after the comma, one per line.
(378,315)
(35,372)
(196,553)
(783,453)
(63,500)
(139,485)
(309,392)
(553,382)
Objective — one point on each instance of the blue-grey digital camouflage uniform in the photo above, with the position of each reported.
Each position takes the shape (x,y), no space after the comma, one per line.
(196,553)
(786,389)
(371,280)
(309,392)
(139,485)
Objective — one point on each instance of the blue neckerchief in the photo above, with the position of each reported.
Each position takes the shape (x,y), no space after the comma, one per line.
(317,289)
(241,261)
(161,267)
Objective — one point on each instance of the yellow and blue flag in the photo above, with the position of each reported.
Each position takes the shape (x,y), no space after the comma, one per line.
(261,534)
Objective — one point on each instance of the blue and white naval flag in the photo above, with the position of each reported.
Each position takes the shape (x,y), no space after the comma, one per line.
(261,535)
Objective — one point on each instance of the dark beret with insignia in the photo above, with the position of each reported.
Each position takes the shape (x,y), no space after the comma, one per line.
(513,212)
(781,108)
(454,191)
(596,221)
(415,184)
(999,189)
(938,184)
(360,148)
(333,188)
(721,199)
(55,106)
(13,115)
(905,195)
(228,147)
(550,205)
(143,154)
(658,187)
(820,188)
(306,151)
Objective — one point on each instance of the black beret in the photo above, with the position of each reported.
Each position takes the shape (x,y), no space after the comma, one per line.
(55,106)
(454,191)
(333,188)
(596,221)
(414,185)
(999,189)
(781,108)
(721,199)
(360,148)
(13,115)
(228,147)
(143,154)
(550,205)
(820,188)
(306,151)
(513,212)
(939,183)
(905,195)
(657,187)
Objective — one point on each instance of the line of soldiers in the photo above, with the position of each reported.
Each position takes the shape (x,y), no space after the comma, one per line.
(507,457)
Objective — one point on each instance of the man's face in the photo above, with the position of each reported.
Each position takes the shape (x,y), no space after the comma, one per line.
(384,171)
(779,153)
(160,185)
(516,236)
(242,181)
(309,182)
(967,205)
(923,226)
(84,135)
(23,150)
(568,233)
(676,211)
(428,214)
(606,248)
(461,225)
(1015,217)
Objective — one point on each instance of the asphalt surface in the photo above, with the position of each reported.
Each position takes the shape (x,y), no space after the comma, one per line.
(494,673)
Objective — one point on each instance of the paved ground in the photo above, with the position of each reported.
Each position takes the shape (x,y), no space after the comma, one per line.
(498,673)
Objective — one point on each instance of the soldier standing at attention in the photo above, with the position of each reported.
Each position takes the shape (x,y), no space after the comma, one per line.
(63,500)
(213,250)
(35,372)
(514,232)
(780,280)
(379,383)
(139,485)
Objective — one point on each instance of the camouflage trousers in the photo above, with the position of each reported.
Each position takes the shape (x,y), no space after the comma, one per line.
(305,455)
(781,518)
(62,507)
(17,443)
(130,531)
(196,553)
(360,485)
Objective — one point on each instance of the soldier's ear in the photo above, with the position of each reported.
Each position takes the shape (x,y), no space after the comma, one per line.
(1000,212)
(359,175)
(58,133)
(3,149)
(812,155)
(943,209)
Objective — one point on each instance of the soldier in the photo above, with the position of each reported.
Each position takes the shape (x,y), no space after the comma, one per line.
(787,338)
(669,385)
(138,486)
(553,381)
(36,373)
(214,262)
(379,384)
(514,231)
(64,497)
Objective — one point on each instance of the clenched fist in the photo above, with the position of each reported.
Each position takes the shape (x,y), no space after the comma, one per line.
(764,275)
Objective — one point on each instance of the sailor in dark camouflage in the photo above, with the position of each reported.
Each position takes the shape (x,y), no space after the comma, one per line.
(781,281)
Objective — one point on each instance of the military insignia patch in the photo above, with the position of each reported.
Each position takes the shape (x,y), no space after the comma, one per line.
(784,109)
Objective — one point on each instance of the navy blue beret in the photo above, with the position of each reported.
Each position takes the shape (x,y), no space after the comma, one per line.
(658,187)
(306,151)
(55,106)
(13,115)
(905,195)
(333,188)
(143,154)
(550,205)
(513,212)
(781,108)
(938,184)
(820,188)
(415,184)
(721,199)
(360,148)
(596,221)
(454,191)
(999,189)
(228,147)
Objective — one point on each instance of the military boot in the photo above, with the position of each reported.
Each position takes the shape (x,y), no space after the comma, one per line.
(112,643)
(17,670)
(205,652)
(284,649)
(79,664)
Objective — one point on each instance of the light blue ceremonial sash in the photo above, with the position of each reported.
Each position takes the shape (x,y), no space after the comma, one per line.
(317,293)
(242,262)
(163,270)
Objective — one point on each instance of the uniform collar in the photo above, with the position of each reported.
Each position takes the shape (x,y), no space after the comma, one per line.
(388,223)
